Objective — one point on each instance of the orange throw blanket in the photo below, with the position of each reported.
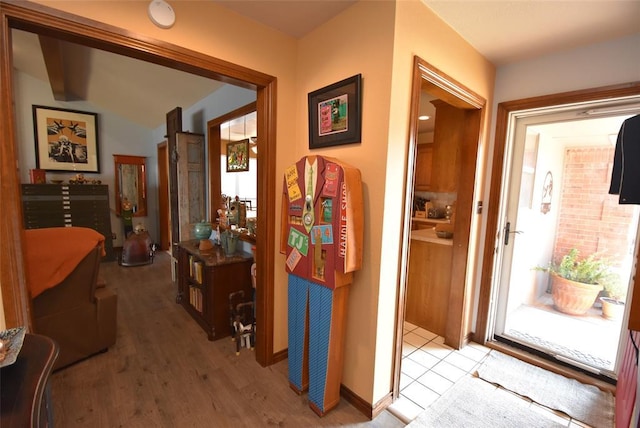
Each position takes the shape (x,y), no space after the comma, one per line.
(51,254)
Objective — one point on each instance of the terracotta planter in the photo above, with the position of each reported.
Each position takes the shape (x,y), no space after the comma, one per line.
(612,309)
(573,298)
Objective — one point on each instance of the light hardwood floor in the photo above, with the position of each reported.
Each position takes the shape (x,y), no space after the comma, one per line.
(163,372)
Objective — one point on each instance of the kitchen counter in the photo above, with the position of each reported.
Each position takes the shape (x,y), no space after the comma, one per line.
(430,220)
(429,235)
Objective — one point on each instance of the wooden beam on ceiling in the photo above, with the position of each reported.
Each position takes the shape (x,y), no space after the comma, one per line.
(67,67)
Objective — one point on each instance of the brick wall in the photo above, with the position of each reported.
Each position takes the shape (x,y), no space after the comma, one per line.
(590,219)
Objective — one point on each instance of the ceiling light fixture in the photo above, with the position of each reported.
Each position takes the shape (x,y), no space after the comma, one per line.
(161,13)
(424,117)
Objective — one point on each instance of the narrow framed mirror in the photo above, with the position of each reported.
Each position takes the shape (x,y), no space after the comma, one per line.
(131,184)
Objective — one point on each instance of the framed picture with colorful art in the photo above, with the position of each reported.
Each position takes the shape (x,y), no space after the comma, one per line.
(335,114)
(66,140)
(238,156)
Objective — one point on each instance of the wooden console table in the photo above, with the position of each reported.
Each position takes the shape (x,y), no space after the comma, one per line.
(25,400)
(205,280)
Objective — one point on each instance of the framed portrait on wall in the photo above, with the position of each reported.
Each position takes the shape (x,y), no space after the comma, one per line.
(66,140)
(238,156)
(335,114)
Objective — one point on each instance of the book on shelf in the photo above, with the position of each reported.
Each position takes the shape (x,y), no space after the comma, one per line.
(195,298)
(198,271)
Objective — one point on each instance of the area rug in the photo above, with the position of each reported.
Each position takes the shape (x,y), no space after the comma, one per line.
(585,403)
(472,402)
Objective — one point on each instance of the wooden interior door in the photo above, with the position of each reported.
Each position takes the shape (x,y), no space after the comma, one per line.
(190,171)
(174,125)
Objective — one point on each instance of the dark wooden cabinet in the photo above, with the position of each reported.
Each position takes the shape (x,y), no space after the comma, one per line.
(446,146)
(25,392)
(424,161)
(205,280)
(66,205)
(429,286)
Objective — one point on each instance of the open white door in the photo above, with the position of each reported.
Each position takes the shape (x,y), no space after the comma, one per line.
(555,197)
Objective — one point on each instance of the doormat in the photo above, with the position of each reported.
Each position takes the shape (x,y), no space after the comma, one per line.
(589,359)
(472,402)
(586,403)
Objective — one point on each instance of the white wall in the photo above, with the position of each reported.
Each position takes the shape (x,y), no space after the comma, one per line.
(216,104)
(194,119)
(603,64)
(115,136)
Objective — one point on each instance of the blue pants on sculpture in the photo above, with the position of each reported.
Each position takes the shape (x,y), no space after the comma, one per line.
(305,294)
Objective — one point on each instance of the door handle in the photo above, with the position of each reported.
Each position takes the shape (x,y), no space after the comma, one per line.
(507,231)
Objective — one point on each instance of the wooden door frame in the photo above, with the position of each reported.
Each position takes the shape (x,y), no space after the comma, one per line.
(505,109)
(214,147)
(439,84)
(164,212)
(54,23)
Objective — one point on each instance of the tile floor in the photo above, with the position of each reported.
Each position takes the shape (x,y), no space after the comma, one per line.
(430,368)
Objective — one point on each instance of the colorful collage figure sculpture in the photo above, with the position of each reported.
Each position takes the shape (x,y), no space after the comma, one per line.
(322,231)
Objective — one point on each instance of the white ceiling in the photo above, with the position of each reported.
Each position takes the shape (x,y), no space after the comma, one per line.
(138,91)
(509,31)
(503,31)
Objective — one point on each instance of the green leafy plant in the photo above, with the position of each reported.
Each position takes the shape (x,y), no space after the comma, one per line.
(615,289)
(589,270)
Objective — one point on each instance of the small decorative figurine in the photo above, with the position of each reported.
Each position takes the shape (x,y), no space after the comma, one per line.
(127,216)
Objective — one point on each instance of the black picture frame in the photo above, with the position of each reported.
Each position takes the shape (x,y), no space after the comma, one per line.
(335,114)
(238,156)
(66,140)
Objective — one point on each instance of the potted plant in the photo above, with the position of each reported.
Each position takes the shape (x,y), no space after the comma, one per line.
(613,299)
(577,281)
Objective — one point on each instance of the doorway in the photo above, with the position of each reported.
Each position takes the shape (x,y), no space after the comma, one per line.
(464,110)
(164,211)
(43,20)
(557,202)
(554,173)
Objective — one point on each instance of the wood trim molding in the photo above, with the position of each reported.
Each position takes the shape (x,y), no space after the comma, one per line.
(362,405)
(502,121)
(554,368)
(280,356)
(403,268)
(448,89)
(50,22)
(428,78)
(164,225)
(214,149)
(15,299)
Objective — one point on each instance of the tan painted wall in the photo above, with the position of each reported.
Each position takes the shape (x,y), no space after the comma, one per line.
(418,31)
(345,46)
(378,40)
(360,40)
